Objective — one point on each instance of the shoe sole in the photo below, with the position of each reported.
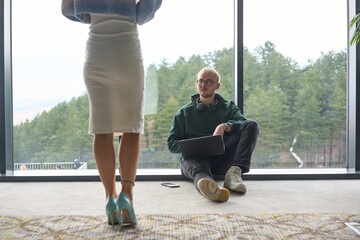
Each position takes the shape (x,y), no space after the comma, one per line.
(127,220)
(116,222)
(212,191)
(239,189)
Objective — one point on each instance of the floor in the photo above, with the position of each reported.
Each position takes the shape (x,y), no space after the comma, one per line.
(87,198)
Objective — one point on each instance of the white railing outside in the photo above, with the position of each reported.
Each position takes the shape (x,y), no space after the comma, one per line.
(50,166)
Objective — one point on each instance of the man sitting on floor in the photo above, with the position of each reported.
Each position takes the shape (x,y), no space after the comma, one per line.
(210,114)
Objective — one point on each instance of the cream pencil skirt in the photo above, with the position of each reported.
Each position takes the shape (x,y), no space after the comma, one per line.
(114,75)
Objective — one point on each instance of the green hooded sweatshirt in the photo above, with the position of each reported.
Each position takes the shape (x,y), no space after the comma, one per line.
(190,123)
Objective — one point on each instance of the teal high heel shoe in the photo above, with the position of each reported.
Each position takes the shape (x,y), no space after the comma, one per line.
(110,210)
(126,214)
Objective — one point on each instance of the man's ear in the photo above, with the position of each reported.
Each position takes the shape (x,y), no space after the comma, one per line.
(218,86)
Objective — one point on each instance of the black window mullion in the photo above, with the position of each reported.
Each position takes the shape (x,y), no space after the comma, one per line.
(239,50)
(6,143)
(357,100)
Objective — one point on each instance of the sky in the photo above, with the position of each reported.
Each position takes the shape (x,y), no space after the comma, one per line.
(48,49)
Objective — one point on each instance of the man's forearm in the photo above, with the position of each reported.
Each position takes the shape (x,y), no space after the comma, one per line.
(174,146)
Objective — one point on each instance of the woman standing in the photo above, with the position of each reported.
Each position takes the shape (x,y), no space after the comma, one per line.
(114,78)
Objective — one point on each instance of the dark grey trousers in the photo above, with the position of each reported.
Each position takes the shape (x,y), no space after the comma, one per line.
(238,150)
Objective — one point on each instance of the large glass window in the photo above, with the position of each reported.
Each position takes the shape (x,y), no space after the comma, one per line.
(295,81)
(50,99)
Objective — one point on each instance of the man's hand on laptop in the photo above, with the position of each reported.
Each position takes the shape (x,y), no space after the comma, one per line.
(219,130)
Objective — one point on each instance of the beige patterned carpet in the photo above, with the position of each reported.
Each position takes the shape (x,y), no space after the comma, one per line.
(183,226)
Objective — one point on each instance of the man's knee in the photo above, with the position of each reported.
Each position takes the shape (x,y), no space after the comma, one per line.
(252,125)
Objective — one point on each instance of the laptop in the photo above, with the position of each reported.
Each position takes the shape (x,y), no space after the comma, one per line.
(202,146)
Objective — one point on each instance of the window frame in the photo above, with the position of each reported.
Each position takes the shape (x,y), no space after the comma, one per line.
(353,107)
(353,95)
(6,133)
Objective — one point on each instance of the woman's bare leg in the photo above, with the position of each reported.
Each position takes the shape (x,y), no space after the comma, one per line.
(128,158)
(105,160)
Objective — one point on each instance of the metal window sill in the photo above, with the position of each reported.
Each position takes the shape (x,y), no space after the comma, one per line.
(175,174)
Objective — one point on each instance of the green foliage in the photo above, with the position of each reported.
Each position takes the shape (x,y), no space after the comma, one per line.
(60,135)
(287,100)
(222,60)
(355,22)
(163,123)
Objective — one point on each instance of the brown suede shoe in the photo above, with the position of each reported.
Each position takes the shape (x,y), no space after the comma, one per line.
(212,191)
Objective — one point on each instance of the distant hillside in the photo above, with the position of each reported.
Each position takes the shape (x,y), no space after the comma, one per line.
(59,134)
(28,114)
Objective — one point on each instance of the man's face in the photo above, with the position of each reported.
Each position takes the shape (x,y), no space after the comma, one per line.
(206,85)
